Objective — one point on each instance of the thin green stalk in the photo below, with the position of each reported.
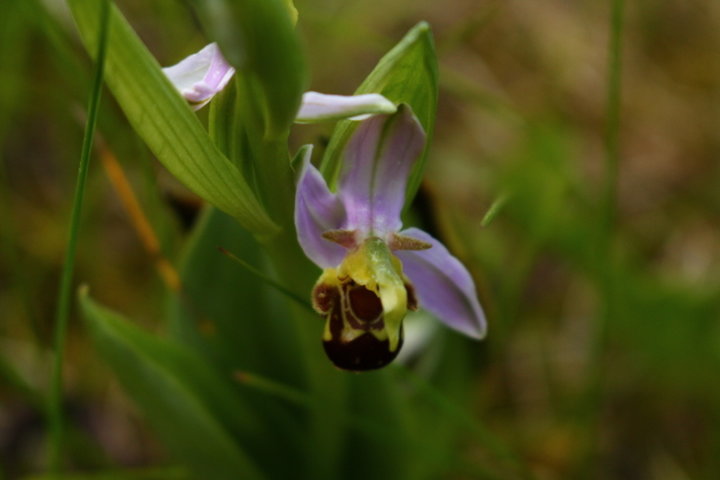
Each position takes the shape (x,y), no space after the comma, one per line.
(592,404)
(612,134)
(55,398)
(273,388)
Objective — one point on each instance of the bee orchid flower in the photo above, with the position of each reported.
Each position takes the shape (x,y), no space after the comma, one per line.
(373,270)
(202,75)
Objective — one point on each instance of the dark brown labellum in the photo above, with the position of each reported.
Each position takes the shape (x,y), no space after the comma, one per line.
(356,339)
(363,353)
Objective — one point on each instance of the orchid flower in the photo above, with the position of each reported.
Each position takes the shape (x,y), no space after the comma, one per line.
(202,75)
(373,271)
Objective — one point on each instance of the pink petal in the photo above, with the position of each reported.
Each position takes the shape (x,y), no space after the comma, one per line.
(317,211)
(443,285)
(378,159)
(318,107)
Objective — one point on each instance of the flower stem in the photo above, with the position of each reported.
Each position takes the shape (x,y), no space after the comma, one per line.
(55,398)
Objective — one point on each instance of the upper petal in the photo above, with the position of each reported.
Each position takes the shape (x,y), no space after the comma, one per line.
(317,211)
(318,107)
(443,285)
(377,161)
(201,75)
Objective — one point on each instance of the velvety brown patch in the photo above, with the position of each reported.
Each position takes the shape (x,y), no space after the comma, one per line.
(365,304)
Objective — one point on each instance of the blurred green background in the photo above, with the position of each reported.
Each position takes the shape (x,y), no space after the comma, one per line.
(602,292)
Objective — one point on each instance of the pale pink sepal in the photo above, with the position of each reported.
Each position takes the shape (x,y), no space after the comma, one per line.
(201,75)
(320,107)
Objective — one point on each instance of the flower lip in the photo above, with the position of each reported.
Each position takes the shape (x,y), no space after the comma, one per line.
(363,302)
(354,320)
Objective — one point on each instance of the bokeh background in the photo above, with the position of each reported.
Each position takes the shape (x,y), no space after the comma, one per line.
(602,287)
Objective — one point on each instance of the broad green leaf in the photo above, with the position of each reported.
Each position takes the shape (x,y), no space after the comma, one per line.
(406,74)
(258,37)
(190,407)
(230,314)
(240,325)
(167,125)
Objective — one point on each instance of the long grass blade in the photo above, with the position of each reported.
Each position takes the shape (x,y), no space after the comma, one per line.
(55,398)
(494,209)
(612,134)
(593,397)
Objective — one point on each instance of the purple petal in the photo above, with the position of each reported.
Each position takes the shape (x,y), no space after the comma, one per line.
(443,285)
(318,107)
(317,211)
(201,75)
(378,159)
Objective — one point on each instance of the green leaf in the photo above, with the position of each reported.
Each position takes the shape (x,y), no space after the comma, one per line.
(167,125)
(406,74)
(239,324)
(188,404)
(258,37)
(381,433)
(227,312)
